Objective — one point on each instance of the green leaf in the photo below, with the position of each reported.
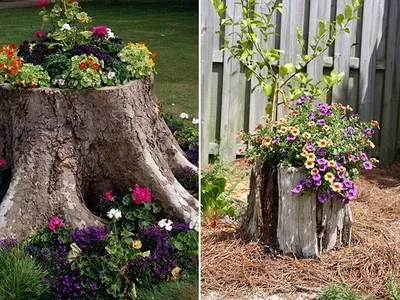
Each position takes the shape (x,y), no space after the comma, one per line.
(127,200)
(285,69)
(348,11)
(74,252)
(322,28)
(268,89)
(268,109)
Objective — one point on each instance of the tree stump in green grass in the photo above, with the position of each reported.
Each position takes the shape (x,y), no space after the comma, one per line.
(63,144)
(293,224)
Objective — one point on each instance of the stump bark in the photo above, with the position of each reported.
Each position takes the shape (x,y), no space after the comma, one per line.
(296,224)
(64,144)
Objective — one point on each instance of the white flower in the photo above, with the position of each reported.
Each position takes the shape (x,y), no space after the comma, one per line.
(173,104)
(110,34)
(66,27)
(165,223)
(61,81)
(114,213)
(184,116)
(195,121)
(194,225)
(110,75)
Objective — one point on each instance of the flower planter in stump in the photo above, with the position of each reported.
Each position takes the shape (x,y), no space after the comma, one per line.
(64,144)
(293,224)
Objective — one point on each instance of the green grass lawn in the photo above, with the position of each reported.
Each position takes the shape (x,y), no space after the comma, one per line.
(170,30)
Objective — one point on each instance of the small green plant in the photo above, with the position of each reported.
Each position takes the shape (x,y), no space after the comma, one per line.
(58,66)
(85,72)
(21,277)
(138,58)
(394,288)
(264,63)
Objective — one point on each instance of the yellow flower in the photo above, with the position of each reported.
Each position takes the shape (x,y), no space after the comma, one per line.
(311,156)
(342,169)
(283,129)
(314,171)
(136,244)
(146,51)
(306,135)
(311,123)
(295,131)
(336,186)
(325,128)
(304,153)
(151,63)
(329,177)
(309,164)
(131,45)
(371,144)
(322,143)
(266,142)
(282,121)
(348,107)
(331,163)
(375,123)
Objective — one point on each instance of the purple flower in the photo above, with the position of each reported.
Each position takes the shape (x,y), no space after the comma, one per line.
(320,152)
(301,100)
(278,140)
(367,165)
(363,156)
(324,109)
(323,168)
(352,193)
(90,237)
(290,137)
(368,132)
(341,174)
(322,161)
(311,116)
(354,158)
(308,184)
(316,177)
(8,243)
(283,152)
(297,189)
(321,198)
(348,183)
(321,122)
(350,130)
(317,182)
(310,148)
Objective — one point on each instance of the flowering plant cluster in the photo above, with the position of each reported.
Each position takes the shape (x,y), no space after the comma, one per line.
(133,253)
(65,55)
(324,141)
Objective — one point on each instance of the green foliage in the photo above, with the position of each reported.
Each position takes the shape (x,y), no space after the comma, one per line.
(186,243)
(393,287)
(31,76)
(116,73)
(138,58)
(85,72)
(255,26)
(21,277)
(57,65)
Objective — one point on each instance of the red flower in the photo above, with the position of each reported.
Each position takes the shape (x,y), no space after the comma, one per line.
(55,223)
(42,3)
(2,162)
(82,65)
(95,66)
(141,194)
(155,55)
(108,195)
(100,31)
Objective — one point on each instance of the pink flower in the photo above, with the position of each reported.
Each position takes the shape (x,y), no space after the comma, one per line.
(108,195)
(3,162)
(141,194)
(55,223)
(42,3)
(100,31)
(40,34)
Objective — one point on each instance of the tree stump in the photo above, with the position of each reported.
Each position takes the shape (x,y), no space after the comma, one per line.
(296,224)
(64,144)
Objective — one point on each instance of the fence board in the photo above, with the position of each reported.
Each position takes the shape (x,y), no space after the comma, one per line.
(367,56)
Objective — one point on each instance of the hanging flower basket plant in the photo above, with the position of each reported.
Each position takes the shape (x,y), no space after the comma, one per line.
(320,150)
(68,53)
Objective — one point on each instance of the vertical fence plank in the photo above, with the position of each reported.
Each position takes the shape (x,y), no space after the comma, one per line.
(319,10)
(230,97)
(370,29)
(206,32)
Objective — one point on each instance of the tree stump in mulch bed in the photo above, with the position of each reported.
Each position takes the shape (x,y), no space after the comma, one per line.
(293,224)
(63,144)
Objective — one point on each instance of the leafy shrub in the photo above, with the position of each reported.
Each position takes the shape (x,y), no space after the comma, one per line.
(138,58)
(85,72)
(58,66)
(21,277)
(31,76)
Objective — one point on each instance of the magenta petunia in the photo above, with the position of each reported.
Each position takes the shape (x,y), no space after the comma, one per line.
(40,34)
(108,195)
(100,31)
(42,3)
(3,162)
(55,223)
(141,194)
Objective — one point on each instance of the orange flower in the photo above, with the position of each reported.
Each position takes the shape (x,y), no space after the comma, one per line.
(311,156)
(142,43)
(1,66)
(266,142)
(336,186)
(155,55)
(32,85)
(375,123)
(283,129)
(325,128)
(329,177)
(95,66)
(371,144)
(82,65)
(322,143)
(89,60)
(314,171)
(306,135)
(331,163)
(295,131)
(150,63)
(13,70)
(10,54)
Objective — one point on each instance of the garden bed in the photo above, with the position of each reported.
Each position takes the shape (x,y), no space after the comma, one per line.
(233,268)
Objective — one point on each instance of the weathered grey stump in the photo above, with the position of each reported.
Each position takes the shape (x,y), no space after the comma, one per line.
(296,224)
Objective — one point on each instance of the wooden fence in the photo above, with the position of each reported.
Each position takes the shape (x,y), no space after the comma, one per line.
(369,56)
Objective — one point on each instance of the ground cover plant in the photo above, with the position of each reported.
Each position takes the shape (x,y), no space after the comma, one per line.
(176,84)
(134,253)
